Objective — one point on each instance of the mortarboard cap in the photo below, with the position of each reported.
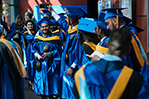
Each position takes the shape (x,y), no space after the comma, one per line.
(50,21)
(134,28)
(46,12)
(75,12)
(127,20)
(87,25)
(101,22)
(43,6)
(112,13)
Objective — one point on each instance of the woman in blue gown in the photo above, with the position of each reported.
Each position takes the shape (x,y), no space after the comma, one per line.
(28,38)
(16,30)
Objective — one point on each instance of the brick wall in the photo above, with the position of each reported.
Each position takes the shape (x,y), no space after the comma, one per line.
(141,20)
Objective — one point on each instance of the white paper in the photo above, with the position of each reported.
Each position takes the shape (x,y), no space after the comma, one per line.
(97,53)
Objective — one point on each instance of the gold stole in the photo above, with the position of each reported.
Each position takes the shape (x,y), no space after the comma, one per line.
(16,58)
(91,45)
(121,83)
(101,49)
(137,50)
(48,38)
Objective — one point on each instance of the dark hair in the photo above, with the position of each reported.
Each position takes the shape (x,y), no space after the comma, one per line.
(92,37)
(106,33)
(29,14)
(120,39)
(19,16)
(34,27)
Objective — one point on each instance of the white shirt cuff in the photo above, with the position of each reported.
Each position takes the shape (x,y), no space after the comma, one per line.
(73,65)
(36,54)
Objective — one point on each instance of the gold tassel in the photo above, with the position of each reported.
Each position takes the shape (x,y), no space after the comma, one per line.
(117,17)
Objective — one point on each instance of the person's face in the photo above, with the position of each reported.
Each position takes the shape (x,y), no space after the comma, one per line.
(30,25)
(19,19)
(27,18)
(44,28)
(110,24)
(54,26)
(98,32)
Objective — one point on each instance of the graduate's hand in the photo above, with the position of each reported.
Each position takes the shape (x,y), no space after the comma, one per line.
(44,56)
(27,29)
(94,58)
(69,72)
(39,57)
(18,31)
(50,7)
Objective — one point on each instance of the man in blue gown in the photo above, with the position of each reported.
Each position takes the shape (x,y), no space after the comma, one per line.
(47,50)
(114,18)
(73,56)
(108,77)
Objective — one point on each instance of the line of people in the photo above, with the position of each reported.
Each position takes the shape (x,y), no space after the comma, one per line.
(75,57)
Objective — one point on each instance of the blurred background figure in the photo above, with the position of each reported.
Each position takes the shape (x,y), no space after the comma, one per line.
(4,25)
(16,29)
(28,16)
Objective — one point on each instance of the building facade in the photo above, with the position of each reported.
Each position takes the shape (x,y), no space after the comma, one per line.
(137,10)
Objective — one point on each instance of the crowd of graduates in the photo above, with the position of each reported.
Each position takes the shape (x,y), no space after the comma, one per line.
(69,55)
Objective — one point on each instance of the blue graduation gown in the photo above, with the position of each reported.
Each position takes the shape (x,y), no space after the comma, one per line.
(102,75)
(137,55)
(12,32)
(8,83)
(6,86)
(104,42)
(89,47)
(75,54)
(47,79)
(28,43)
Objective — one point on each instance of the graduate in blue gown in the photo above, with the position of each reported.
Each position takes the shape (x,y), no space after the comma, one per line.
(102,31)
(89,36)
(47,50)
(108,77)
(97,28)
(136,58)
(4,25)
(73,56)
(11,70)
(16,30)
(28,38)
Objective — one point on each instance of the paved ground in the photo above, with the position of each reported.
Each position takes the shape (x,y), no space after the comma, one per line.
(29,94)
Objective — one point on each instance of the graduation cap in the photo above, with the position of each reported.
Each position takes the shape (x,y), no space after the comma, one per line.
(127,20)
(75,12)
(46,13)
(43,6)
(134,28)
(101,22)
(113,12)
(50,21)
(87,25)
